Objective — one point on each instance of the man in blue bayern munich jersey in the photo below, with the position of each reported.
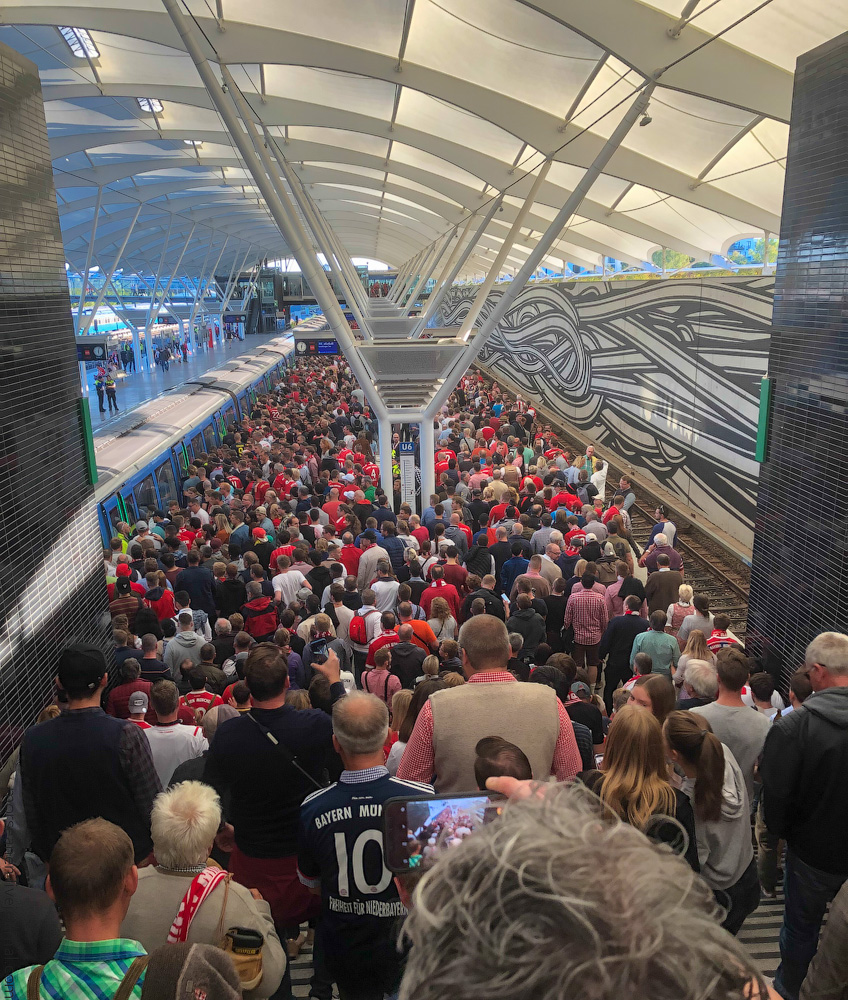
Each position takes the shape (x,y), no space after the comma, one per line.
(341,855)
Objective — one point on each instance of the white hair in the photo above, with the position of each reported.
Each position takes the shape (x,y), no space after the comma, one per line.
(556,537)
(701,678)
(553,899)
(661,539)
(829,650)
(223,626)
(183,822)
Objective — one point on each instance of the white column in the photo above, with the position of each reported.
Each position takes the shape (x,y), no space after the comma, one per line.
(386,478)
(427,452)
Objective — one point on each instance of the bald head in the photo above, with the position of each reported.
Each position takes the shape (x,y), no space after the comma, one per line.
(360,725)
(405,633)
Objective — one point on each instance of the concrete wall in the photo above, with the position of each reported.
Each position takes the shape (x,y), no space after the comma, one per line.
(664,375)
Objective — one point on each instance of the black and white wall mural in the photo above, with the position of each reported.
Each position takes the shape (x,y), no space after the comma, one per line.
(663,375)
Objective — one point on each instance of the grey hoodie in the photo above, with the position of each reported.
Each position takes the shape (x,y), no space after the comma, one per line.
(184,646)
(724,845)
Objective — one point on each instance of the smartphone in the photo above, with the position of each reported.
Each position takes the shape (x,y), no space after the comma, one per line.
(419,827)
(319,652)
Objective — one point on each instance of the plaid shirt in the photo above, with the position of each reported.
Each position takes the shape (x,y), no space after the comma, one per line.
(587,612)
(418,761)
(81,970)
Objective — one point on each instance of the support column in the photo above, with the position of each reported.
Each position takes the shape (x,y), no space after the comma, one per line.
(452,269)
(506,246)
(89,252)
(107,277)
(386,478)
(427,272)
(427,455)
(424,270)
(511,291)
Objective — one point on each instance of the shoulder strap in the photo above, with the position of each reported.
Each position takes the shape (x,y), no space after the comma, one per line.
(219,933)
(34,983)
(124,991)
(283,750)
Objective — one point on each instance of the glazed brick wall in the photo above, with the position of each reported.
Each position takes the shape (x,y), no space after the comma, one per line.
(51,579)
(799,584)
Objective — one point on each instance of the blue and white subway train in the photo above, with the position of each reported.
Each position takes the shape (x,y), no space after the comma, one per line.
(141,457)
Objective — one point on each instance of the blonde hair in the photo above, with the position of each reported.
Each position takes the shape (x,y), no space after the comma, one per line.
(298,699)
(400,706)
(696,646)
(439,608)
(183,823)
(430,666)
(580,567)
(452,679)
(51,712)
(684,593)
(635,785)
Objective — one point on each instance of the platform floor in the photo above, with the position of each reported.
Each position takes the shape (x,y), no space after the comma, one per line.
(137,387)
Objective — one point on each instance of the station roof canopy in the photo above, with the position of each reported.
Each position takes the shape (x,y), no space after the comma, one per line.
(405,116)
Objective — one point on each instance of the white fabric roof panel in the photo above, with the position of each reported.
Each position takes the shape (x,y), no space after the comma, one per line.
(405,116)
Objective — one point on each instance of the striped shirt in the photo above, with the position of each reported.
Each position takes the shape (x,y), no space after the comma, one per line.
(81,970)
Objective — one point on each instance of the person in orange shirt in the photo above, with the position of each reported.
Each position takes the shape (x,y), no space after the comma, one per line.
(423,635)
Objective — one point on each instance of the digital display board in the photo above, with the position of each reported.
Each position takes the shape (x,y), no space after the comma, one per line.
(317,346)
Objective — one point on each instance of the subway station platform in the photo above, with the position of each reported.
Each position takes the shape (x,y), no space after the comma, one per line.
(136,388)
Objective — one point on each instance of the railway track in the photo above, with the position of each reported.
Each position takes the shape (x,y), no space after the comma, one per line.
(708,567)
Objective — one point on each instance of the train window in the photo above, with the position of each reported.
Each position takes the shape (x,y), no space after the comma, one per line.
(132,514)
(145,494)
(114,517)
(197,445)
(167,483)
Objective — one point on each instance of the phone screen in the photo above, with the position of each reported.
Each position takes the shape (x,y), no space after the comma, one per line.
(319,652)
(418,828)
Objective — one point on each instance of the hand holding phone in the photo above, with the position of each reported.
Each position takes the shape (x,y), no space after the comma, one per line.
(418,828)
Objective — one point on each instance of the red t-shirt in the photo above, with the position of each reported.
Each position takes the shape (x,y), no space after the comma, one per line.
(372,471)
(201,701)
(497,512)
(445,454)
(349,556)
(488,432)
(421,535)
(140,723)
(441,467)
(384,639)
(610,514)
(331,509)
(535,480)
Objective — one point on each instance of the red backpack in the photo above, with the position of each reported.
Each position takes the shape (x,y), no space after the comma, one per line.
(357,631)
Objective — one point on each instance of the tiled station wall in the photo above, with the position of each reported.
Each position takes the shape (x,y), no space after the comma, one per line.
(662,375)
(799,585)
(51,578)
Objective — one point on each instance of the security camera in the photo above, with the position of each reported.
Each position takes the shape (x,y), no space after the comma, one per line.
(645,120)
(500,208)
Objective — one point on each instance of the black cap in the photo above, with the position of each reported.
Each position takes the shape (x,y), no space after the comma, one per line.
(81,668)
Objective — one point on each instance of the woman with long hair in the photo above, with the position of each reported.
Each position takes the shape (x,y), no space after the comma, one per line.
(363,447)
(399,708)
(716,788)
(695,649)
(418,700)
(441,621)
(656,693)
(222,527)
(633,781)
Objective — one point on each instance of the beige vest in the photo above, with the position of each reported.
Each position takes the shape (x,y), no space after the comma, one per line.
(525,714)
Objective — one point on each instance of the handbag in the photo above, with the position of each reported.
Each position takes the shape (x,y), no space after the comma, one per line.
(243,945)
(247,955)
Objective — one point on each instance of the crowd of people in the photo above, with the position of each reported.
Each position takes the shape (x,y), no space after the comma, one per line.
(294,648)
